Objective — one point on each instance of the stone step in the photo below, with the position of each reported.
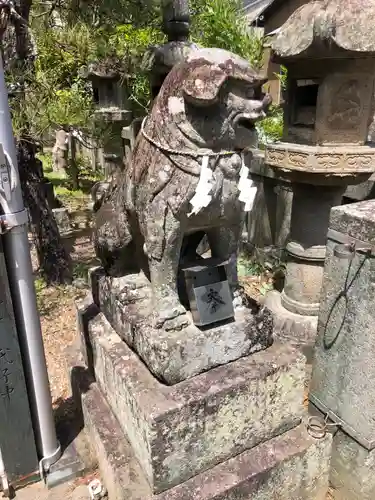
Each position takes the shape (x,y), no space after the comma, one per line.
(292,466)
(179,431)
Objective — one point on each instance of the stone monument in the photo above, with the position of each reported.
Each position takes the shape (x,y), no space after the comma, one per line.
(331,68)
(17,441)
(191,397)
(344,367)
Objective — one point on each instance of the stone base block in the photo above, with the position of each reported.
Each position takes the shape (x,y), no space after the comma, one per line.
(292,466)
(352,465)
(352,469)
(295,329)
(179,431)
(175,354)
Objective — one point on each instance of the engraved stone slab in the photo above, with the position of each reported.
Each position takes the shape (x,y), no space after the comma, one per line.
(344,370)
(175,355)
(17,443)
(177,432)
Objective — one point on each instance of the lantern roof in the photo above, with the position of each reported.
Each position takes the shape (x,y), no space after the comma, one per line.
(347,24)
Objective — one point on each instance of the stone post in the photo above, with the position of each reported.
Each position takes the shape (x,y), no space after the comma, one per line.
(342,384)
(160,59)
(176,19)
(283,214)
(268,224)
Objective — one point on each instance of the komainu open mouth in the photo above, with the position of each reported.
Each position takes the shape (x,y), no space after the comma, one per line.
(245,123)
(244,120)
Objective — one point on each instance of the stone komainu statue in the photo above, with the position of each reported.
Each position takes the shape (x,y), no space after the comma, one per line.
(187,177)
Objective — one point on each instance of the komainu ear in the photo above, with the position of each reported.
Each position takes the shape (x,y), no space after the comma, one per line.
(203,85)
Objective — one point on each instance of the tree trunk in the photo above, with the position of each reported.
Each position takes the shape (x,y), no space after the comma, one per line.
(73,167)
(54,261)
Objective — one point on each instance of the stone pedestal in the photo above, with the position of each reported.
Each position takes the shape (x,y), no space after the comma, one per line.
(237,429)
(344,368)
(296,308)
(319,178)
(176,354)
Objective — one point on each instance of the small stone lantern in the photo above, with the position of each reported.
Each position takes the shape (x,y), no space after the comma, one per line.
(110,95)
(330,61)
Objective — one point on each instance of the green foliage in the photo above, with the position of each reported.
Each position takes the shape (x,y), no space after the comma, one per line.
(46,159)
(249,267)
(78,32)
(282,76)
(62,51)
(70,107)
(110,13)
(271,128)
(221,23)
(130,43)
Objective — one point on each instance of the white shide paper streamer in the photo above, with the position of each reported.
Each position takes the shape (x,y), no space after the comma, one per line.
(202,196)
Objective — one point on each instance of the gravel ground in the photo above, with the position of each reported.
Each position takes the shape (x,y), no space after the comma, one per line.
(57,316)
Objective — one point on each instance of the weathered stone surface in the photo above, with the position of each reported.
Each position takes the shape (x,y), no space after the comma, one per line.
(17,441)
(290,466)
(355,220)
(62,220)
(328,20)
(361,192)
(295,329)
(352,469)
(172,355)
(152,218)
(86,310)
(179,431)
(344,370)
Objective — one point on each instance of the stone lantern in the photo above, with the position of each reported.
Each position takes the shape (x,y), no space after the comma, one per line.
(110,94)
(329,105)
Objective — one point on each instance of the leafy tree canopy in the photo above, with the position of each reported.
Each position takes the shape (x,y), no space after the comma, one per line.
(70,34)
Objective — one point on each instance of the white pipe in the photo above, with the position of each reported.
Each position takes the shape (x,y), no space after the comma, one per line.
(4,477)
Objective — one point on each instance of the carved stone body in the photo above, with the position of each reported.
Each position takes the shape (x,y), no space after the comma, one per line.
(208,106)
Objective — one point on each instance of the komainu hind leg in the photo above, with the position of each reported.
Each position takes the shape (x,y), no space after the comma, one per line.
(113,242)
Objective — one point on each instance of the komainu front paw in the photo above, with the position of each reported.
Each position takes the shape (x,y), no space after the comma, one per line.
(171,315)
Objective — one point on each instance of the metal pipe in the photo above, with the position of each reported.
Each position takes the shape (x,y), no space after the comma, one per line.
(4,478)
(19,267)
